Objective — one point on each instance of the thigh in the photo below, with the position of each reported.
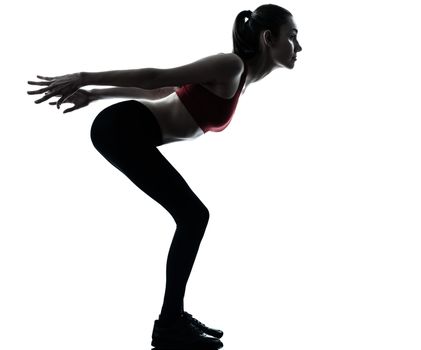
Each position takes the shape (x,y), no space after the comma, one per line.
(150,171)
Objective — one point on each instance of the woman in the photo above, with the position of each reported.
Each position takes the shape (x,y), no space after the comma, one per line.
(178,104)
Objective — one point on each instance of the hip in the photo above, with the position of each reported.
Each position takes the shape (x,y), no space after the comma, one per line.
(128,120)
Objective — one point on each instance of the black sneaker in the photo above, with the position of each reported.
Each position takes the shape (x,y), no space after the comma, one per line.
(182,334)
(211,331)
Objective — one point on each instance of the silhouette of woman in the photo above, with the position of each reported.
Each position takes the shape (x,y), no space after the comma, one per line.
(178,104)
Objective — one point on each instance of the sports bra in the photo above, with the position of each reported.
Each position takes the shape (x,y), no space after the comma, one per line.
(211,112)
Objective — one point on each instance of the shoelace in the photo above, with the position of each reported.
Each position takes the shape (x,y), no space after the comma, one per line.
(190,317)
(194,327)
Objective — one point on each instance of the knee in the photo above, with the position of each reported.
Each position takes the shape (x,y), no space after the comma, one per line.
(196,216)
(204,215)
(200,216)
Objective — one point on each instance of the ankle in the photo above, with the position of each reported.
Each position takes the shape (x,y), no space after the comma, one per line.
(167,320)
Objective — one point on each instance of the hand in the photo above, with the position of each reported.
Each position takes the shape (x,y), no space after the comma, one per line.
(80,98)
(64,85)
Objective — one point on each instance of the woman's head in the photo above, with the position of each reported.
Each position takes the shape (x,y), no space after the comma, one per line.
(268,30)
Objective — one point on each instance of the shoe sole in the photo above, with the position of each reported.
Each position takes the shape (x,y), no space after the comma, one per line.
(189,347)
(195,344)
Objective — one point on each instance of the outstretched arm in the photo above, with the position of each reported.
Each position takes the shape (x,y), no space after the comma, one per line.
(134,92)
(141,78)
(66,85)
(82,98)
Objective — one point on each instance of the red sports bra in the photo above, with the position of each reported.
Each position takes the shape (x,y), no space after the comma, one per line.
(211,112)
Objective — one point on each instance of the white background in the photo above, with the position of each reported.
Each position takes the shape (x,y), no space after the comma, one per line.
(313,189)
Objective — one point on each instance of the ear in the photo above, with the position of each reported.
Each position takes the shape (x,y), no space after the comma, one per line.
(267,37)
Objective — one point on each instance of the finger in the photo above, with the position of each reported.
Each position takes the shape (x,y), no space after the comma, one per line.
(70,109)
(61,100)
(33,92)
(51,103)
(39,82)
(46,78)
(46,97)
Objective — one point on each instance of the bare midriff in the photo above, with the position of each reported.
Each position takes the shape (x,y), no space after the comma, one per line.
(176,122)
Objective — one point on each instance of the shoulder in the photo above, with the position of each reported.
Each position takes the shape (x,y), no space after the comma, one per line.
(234,60)
(235,66)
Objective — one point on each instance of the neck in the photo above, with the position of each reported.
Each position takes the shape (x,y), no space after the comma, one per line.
(258,67)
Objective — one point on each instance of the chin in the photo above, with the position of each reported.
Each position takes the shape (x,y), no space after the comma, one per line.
(289,64)
(292,64)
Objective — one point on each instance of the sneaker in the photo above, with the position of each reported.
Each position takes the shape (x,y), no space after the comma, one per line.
(182,334)
(211,331)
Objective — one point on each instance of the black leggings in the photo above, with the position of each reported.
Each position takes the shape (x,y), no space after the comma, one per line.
(126,134)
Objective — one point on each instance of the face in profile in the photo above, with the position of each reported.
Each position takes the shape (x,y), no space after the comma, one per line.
(285,48)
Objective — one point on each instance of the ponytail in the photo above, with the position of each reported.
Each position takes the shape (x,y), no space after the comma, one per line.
(248,25)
